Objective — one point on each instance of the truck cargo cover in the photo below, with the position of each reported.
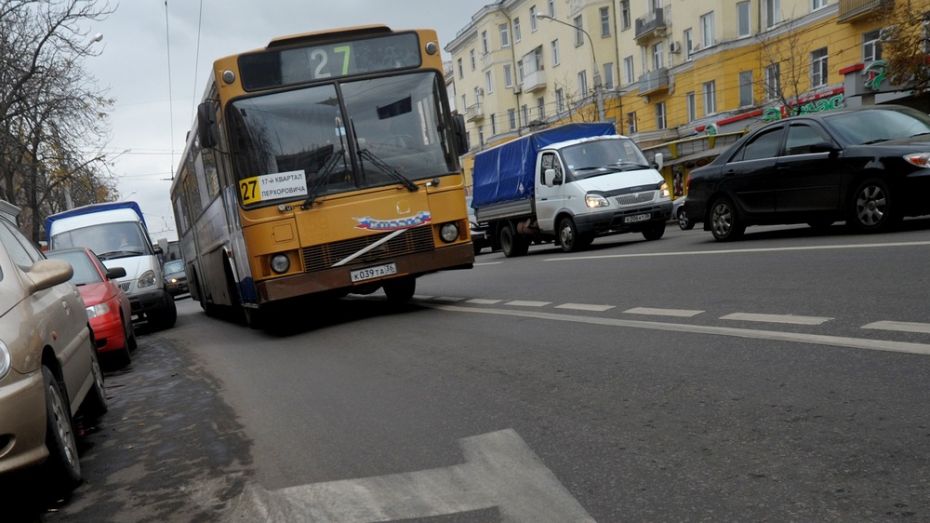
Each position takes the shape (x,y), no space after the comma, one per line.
(505,173)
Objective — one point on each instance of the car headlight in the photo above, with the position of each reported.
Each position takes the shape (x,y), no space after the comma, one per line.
(918,159)
(663,191)
(5,360)
(146,280)
(596,200)
(280,263)
(97,310)
(449,232)
(174,280)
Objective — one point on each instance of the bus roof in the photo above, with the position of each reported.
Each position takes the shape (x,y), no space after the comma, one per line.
(281,41)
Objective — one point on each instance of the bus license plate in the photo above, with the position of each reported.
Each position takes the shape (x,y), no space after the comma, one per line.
(373,272)
(636,218)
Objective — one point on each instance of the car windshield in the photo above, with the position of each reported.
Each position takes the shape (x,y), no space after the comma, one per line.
(174,266)
(108,240)
(393,124)
(598,157)
(84,270)
(879,125)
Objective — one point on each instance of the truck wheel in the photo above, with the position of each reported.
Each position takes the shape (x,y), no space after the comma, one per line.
(168,316)
(400,290)
(569,237)
(512,243)
(654,231)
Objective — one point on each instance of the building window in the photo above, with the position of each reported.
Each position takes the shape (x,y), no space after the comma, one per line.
(488,82)
(532,61)
(772,11)
(773,82)
(559,100)
(533,18)
(605,22)
(624,14)
(628,69)
(658,56)
(579,35)
(477,95)
(818,4)
(689,42)
(710,97)
(516,29)
(660,115)
(508,75)
(504,30)
(464,102)
(526,113)
(609,75)
(471,54)
(551,8)
(745,88)
(742,14)
(871,46)
(493,125)
(707,30)
(555,52)
(520,71)
(461,71)
(481,136)
(484,42)
(819,67)
(583,83)
(631,123)
(512,118)
(541,107)
(692,110)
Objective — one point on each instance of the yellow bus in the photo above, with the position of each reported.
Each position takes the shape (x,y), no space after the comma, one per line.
(326,163)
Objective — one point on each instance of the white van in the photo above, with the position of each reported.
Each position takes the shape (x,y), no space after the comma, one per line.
(117,234)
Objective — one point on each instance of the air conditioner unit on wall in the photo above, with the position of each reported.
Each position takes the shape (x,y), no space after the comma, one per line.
(674,47)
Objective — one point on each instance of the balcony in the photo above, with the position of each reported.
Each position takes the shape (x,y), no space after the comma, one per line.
(474,113)
(851,10)
(653,82)
(650,26)
(534,81)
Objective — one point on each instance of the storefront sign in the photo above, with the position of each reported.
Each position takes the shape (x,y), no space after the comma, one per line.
(771,114)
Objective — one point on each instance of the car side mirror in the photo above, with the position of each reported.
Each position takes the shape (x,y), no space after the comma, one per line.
(48,273)
(823,147)
(205,125)
(658,162)
(552,178)
(157,250)
(116,272)
(461,135)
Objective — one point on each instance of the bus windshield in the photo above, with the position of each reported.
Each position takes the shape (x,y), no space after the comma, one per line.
(392,123)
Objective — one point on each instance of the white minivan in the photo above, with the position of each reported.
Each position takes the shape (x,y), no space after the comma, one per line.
(117,234)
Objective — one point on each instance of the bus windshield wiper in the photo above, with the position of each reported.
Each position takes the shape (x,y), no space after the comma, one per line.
(387,169)
(322,176)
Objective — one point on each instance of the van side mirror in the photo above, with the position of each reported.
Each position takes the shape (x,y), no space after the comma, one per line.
(658,162)
(461,135)
(205,125)
(552,178)
(116,272)
(157,250)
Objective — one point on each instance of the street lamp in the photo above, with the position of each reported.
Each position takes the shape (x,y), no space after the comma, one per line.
(598,95)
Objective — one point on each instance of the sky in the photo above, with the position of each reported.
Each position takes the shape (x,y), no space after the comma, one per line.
(133,67)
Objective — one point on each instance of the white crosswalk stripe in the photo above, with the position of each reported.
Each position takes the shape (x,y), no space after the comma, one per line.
(448,299)
(675,313)
(901,326)
(585,307)
(528,303)
(789,319)
(483,301)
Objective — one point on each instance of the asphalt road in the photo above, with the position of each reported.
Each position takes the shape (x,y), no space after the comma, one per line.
(783,377)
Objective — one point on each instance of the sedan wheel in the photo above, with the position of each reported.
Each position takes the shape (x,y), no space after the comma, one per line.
(62,463)
(871,206)
(683,222)
(724,222)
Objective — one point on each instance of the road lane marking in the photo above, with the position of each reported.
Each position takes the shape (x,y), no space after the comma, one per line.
(500,470)
(795,337)
(482,264)
(483,301)
(527,303)
(650,311)
(585,307)
(744,251)
(448,299)
(790,319)
(901,326)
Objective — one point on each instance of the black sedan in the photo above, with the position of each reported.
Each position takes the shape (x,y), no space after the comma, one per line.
(868,166)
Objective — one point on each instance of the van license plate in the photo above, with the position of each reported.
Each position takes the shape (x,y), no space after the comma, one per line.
(636,218)
(373,272)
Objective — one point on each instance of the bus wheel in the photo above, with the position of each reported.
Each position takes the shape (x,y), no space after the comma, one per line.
(253,317)
(400,290)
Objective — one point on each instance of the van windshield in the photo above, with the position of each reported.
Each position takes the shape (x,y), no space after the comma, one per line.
(108,240)
(597,157)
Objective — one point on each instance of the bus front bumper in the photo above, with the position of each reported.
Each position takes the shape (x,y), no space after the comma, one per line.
(460,256)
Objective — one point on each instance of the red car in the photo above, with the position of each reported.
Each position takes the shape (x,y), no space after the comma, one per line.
(107,305)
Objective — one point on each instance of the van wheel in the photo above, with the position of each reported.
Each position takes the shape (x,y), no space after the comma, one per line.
(400,290)
(569,237)
(654,231)
(63,465)
(512,243)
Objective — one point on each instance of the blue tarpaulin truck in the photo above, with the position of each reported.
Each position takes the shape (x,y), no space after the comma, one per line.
(568,184)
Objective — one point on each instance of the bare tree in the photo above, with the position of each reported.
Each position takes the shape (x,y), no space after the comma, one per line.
(905,45)
(783,61)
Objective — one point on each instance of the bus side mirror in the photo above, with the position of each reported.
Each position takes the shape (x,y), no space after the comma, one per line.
(205,125)
(461,136)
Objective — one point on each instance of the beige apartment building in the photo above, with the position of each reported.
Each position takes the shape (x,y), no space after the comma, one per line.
(662,70)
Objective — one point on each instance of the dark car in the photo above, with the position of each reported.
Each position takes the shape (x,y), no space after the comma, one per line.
(479,233)
(868,166)
(175,277)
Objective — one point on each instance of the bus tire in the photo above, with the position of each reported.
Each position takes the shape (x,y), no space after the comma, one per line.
(400,290)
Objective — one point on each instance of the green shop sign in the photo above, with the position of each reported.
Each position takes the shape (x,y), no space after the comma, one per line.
(771,114)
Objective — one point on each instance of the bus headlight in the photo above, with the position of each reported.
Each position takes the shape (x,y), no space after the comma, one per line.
(146,280)
(449,232)
(280,263)
(5,360)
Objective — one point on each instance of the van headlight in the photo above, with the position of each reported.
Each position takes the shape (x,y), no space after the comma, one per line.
(97,310)
(596,200)
(5,360)
(663,191)
(146,280)
(449,232)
